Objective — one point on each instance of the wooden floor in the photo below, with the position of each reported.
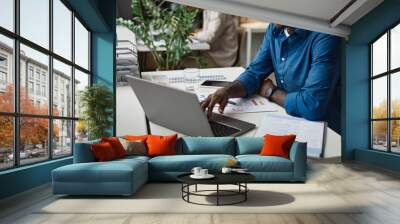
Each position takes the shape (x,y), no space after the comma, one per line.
(379,189)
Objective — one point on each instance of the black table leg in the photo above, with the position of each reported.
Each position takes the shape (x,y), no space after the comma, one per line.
(217,194)
(245,193)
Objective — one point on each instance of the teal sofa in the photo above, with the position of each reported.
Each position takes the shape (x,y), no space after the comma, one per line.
(125,176)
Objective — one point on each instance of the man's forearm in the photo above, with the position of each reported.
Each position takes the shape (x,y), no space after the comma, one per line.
(236,90)
(279,97)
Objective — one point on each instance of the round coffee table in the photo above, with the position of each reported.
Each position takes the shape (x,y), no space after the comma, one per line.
(238,179)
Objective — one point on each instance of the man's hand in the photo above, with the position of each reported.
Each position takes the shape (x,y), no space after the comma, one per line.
(221,97)
(267,84)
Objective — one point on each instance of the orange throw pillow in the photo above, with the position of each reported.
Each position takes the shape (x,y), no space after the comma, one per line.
(161,145)
(277,145)
(103,152)
(136,137)
(116,145)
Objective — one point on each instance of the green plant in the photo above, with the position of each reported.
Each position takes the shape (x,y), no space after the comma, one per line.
(172,28)
(97,103)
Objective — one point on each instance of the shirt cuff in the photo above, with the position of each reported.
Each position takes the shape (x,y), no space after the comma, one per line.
(247,83)
(290,103)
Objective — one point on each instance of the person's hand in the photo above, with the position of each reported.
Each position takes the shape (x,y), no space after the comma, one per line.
(267,84)
(220,97)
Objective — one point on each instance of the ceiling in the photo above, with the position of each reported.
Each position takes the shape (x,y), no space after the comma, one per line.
(328,16)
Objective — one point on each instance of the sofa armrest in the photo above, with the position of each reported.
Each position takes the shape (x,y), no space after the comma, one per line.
(298,155)
(83,152)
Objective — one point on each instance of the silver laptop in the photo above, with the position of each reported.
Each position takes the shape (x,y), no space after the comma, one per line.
(180,111)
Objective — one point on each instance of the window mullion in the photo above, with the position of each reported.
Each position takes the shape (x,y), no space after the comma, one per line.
(73,82)
(389,104)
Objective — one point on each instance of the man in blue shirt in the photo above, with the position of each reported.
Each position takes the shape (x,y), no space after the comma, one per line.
(306,67)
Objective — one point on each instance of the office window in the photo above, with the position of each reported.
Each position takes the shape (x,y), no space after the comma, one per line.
(385,92)
(6,142)
(45,131)
(61,73)
(33,140)
(40,62)
(6,73)
(34,21)
(62,137)
(62,29)
(81,45)
(81,82)
(7,14)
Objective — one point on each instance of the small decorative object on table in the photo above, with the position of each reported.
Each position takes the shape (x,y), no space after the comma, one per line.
(200,173)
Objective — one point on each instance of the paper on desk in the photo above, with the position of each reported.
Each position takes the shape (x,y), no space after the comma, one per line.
(312,132)
(242,105)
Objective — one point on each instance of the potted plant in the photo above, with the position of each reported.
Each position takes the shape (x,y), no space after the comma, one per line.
(164,28)
(96,102)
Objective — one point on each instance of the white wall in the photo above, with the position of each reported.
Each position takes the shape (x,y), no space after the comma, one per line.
(130,115)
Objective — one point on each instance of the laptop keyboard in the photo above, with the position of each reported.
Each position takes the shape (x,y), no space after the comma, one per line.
(221,129)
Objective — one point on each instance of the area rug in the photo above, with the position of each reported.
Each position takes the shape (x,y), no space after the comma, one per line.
(166,198)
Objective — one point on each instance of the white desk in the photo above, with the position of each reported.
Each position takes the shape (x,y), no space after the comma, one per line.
(200,46)
(332,140)
(249,29)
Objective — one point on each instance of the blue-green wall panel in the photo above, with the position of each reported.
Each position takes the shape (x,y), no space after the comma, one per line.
(24,178)
(356,143)
(379,159)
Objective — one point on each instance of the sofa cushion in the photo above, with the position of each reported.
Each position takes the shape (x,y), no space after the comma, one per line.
(249,145)
(207,145)
(185,163)
(112,171)
(257,163)
(161,145)
(103,152)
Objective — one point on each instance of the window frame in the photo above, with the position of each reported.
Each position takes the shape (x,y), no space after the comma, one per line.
(16,114)
(388,74)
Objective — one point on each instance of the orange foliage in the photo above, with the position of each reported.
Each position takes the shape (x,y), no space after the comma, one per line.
(34,130)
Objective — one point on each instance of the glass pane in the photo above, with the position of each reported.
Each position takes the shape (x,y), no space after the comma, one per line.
(35,21)
(7,14)
(62,29)
(379,97)
(81,131)
(62,89)
(81,45)
(395,136)
(6,74)
(33,139)
(395,94)
(379,55)
(6,142)
(34,97)
(395,47)
(379,135)
(62,138)
(81,81)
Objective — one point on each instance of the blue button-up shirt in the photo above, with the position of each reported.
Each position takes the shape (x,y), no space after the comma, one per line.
(306,66)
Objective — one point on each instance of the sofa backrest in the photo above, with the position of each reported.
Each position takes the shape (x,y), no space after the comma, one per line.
(249,145)
(206,145)
(83,152)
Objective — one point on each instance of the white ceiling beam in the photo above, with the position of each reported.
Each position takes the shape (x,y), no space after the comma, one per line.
(269,15)
(353,8)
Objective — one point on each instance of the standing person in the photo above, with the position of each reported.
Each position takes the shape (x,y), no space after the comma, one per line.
(221,32)
(306,67)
